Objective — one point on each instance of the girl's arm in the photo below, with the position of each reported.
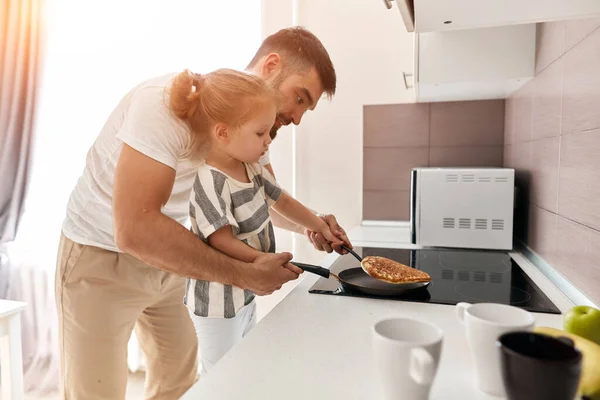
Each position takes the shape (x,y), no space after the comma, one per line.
(224,241)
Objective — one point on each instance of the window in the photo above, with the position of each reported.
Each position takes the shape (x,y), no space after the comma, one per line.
(95,52)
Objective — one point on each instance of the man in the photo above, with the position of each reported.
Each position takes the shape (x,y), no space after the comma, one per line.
(124,249)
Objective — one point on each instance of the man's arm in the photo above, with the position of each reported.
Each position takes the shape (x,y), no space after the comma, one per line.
(142,186)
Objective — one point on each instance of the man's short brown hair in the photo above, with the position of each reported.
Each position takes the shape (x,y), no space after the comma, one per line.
(301,49)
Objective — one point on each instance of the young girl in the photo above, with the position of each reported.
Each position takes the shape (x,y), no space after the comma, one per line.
(231,196)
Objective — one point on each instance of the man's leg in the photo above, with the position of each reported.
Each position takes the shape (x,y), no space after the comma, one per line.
(98,301)
(216,336)
(167,337)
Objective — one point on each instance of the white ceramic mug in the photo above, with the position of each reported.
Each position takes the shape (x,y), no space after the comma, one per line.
(407,354)
(484,323)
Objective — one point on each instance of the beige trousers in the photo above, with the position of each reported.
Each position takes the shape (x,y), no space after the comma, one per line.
(101,295)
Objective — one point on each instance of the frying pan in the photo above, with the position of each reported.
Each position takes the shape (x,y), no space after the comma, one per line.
(357,280)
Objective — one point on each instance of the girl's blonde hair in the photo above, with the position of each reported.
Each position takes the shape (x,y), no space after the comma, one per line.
(222,96)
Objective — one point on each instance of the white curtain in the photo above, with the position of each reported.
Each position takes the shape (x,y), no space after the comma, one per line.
(20,58)
(95,52)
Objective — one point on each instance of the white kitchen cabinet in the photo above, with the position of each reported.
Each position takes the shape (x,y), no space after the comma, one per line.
(473,64)
(435,15)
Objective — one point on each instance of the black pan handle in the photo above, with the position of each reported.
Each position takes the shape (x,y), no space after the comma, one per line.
(349,250)
(324,272)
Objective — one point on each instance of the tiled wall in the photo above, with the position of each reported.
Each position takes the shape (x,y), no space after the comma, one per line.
(400,137)
(552,139)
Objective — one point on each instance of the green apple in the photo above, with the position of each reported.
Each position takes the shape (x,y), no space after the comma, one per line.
(583,321)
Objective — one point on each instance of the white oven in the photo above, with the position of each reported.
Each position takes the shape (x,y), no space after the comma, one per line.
(462,207)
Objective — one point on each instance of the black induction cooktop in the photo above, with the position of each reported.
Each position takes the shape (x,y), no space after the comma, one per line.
(456,275)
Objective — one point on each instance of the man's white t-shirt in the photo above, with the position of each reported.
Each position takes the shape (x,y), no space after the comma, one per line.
(144,122)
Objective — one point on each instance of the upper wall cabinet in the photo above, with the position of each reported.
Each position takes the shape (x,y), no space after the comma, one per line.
(443,15)
(473,64)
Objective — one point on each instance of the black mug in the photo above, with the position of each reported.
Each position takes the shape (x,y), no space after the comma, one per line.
(536,366)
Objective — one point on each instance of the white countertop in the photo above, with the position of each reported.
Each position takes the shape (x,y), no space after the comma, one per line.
(319,346)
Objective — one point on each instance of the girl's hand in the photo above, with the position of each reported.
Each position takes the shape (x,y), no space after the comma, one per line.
(322,244)
(330,237)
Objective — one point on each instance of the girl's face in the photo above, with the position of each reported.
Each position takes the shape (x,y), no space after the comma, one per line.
(252,139)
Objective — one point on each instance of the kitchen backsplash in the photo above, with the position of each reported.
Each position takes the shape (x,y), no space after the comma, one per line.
(552,139)
(399,137)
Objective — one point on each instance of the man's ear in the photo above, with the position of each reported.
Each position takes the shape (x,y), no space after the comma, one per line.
(271,66)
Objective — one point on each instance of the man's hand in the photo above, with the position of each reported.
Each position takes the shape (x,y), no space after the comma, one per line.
(269,272)
(322,244)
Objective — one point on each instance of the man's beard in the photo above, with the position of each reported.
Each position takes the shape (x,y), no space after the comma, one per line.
(273,132)
(277,81)
(280,120)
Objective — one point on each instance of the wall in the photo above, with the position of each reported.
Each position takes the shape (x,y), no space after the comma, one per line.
(552,139)
(370,49)
(322,161)
(100,60)
(275,15)
(400,137)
